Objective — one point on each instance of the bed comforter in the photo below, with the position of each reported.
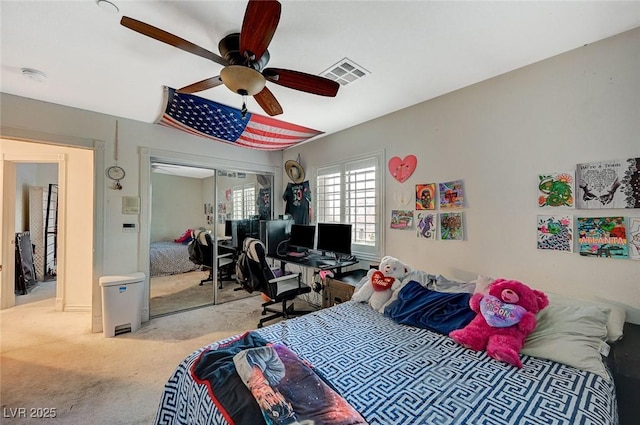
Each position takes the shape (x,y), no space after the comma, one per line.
(398,374)
(167,258)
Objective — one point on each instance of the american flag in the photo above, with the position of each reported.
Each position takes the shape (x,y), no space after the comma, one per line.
(212,120)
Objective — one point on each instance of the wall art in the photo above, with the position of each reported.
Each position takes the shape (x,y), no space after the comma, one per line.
(402,219)
(555,232)
(608,184)
(451,226)
(426,196)
(634,238)
(427,226)
(602,237)
(451,195)
(401,169)
(556,190)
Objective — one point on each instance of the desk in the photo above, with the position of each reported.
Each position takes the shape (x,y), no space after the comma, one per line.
(227,256)
(314,262)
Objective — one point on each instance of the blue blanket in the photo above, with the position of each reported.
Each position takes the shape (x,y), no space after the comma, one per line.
(437,311)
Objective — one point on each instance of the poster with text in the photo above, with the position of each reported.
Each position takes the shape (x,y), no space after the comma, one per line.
(451,227)
(634,238)
(556,190)
(555,232)
(608,184)
(427,226)
(426,196)
(602,237)
(402,219)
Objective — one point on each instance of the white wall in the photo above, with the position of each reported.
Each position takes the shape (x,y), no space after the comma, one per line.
(498,136)
(177,205)
(42,121)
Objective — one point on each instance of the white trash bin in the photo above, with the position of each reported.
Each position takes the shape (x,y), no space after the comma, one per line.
(122,303)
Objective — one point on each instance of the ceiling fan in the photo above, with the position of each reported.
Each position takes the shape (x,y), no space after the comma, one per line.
(244,56)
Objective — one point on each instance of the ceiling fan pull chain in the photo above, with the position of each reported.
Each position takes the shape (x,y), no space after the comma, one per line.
(243,111)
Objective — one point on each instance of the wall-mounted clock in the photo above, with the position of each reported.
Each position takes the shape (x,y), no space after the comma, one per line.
(115,172)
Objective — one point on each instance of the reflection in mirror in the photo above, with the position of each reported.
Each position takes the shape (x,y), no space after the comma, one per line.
(184,204)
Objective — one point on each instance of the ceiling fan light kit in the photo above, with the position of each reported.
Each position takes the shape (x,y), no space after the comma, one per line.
(242,80)
(244,56)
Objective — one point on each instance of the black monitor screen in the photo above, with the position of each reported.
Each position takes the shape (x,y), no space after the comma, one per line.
(275,231)
(334,237)
(302,236)
(228,228)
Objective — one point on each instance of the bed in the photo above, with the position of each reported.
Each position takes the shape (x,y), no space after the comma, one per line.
(398,374)
(168,258)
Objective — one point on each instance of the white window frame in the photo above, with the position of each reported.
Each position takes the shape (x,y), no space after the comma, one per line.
(244,205)
(338,199)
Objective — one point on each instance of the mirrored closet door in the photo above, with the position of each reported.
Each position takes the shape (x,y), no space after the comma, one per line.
(216,207)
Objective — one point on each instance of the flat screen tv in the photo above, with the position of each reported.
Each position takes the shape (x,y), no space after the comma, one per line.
(334,237)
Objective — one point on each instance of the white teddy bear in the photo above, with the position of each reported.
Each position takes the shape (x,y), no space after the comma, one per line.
(381,284)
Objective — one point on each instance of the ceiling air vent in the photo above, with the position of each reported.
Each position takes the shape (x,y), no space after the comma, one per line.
(345,72)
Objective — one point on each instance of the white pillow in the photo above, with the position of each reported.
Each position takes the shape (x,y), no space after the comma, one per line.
(482,284)
(570,334)
(615,319)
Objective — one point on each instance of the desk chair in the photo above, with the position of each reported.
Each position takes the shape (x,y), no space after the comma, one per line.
(254,274)
(201,253)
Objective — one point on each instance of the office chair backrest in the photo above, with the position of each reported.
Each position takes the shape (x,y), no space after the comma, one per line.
(200,248)
(252,270)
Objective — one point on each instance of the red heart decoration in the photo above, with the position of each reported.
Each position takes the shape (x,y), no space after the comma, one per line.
(401,169)
(381,282)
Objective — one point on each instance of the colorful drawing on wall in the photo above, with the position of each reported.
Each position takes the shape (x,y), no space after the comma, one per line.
(608,184)
(427,226)
(555,232)
(426,196)
(401,169)
(451,227)
(634,238)
(556,190)
(602,237)
(402,219)
(451,195)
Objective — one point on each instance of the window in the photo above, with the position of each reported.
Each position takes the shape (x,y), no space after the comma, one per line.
(244,201)
(349,192)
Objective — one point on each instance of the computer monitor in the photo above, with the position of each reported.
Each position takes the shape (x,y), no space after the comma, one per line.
(302,236)
(228,228)
(334,237)
(273,233)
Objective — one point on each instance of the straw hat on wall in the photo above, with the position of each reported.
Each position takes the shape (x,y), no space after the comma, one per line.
(294,170)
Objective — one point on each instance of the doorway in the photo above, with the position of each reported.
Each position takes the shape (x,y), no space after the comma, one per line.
(75,282)
(188,201)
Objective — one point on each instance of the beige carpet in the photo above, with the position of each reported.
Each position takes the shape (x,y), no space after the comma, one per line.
(50,360)
(169,294)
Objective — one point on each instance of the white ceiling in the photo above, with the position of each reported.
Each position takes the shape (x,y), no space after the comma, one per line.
(414,50)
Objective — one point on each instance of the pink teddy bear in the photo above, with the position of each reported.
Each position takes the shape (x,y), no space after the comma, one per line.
(505,317)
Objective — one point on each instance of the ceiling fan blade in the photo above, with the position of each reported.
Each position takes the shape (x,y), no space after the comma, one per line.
(173,40)
(209,83)
(268,102)
(260,22)
(309,83)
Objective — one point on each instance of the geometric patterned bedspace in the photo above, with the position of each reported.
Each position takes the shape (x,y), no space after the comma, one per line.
(167,258)
(398,374)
